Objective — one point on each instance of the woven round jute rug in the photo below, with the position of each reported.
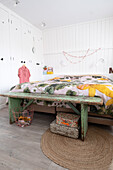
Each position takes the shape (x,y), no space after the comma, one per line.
(95,153)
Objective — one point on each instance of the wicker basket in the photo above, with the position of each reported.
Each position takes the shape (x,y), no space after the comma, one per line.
(23,118)
(72,132)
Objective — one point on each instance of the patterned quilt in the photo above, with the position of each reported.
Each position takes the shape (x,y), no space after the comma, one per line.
(88,85)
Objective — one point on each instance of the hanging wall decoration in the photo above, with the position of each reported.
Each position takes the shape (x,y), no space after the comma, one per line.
(33,48)
(70,57)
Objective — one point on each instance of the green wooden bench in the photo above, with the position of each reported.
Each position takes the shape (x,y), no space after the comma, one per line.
(15,100)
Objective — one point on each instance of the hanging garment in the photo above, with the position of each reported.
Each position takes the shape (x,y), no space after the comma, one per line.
(23,74)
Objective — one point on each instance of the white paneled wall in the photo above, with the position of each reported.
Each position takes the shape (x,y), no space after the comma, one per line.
(19,41)
(15,48)
(4,51)
(76,40)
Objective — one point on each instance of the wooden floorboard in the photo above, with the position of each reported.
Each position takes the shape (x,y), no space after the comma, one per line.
(20,147)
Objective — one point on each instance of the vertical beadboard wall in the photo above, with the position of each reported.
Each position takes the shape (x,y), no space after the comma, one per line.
(76,40)
(20,42)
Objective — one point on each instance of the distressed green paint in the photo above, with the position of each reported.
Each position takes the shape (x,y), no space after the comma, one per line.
(74,108)
(13,104)
(16,98)
(28,104)
(65,98)
(84,120)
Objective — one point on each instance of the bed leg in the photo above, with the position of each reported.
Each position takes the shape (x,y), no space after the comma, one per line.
(84,120)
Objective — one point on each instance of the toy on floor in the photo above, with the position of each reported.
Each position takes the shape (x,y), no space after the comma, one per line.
(23,118)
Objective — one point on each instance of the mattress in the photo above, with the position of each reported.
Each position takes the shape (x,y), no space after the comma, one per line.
(83,85)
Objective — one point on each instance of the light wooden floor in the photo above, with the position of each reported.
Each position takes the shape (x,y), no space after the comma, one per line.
(20,147)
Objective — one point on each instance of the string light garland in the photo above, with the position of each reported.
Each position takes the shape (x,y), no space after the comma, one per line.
(79,57)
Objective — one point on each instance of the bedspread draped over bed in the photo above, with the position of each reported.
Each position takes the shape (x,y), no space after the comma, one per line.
(85,85)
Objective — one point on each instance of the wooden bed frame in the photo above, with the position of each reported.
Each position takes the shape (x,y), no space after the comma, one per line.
(15,101)
(92,117)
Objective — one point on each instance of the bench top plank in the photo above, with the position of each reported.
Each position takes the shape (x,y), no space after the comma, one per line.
(59,98)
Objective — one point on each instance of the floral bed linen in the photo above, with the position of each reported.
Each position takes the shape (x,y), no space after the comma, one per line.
(88,85)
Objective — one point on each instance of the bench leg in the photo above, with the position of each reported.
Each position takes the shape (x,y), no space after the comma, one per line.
(13,103)
(84,120)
